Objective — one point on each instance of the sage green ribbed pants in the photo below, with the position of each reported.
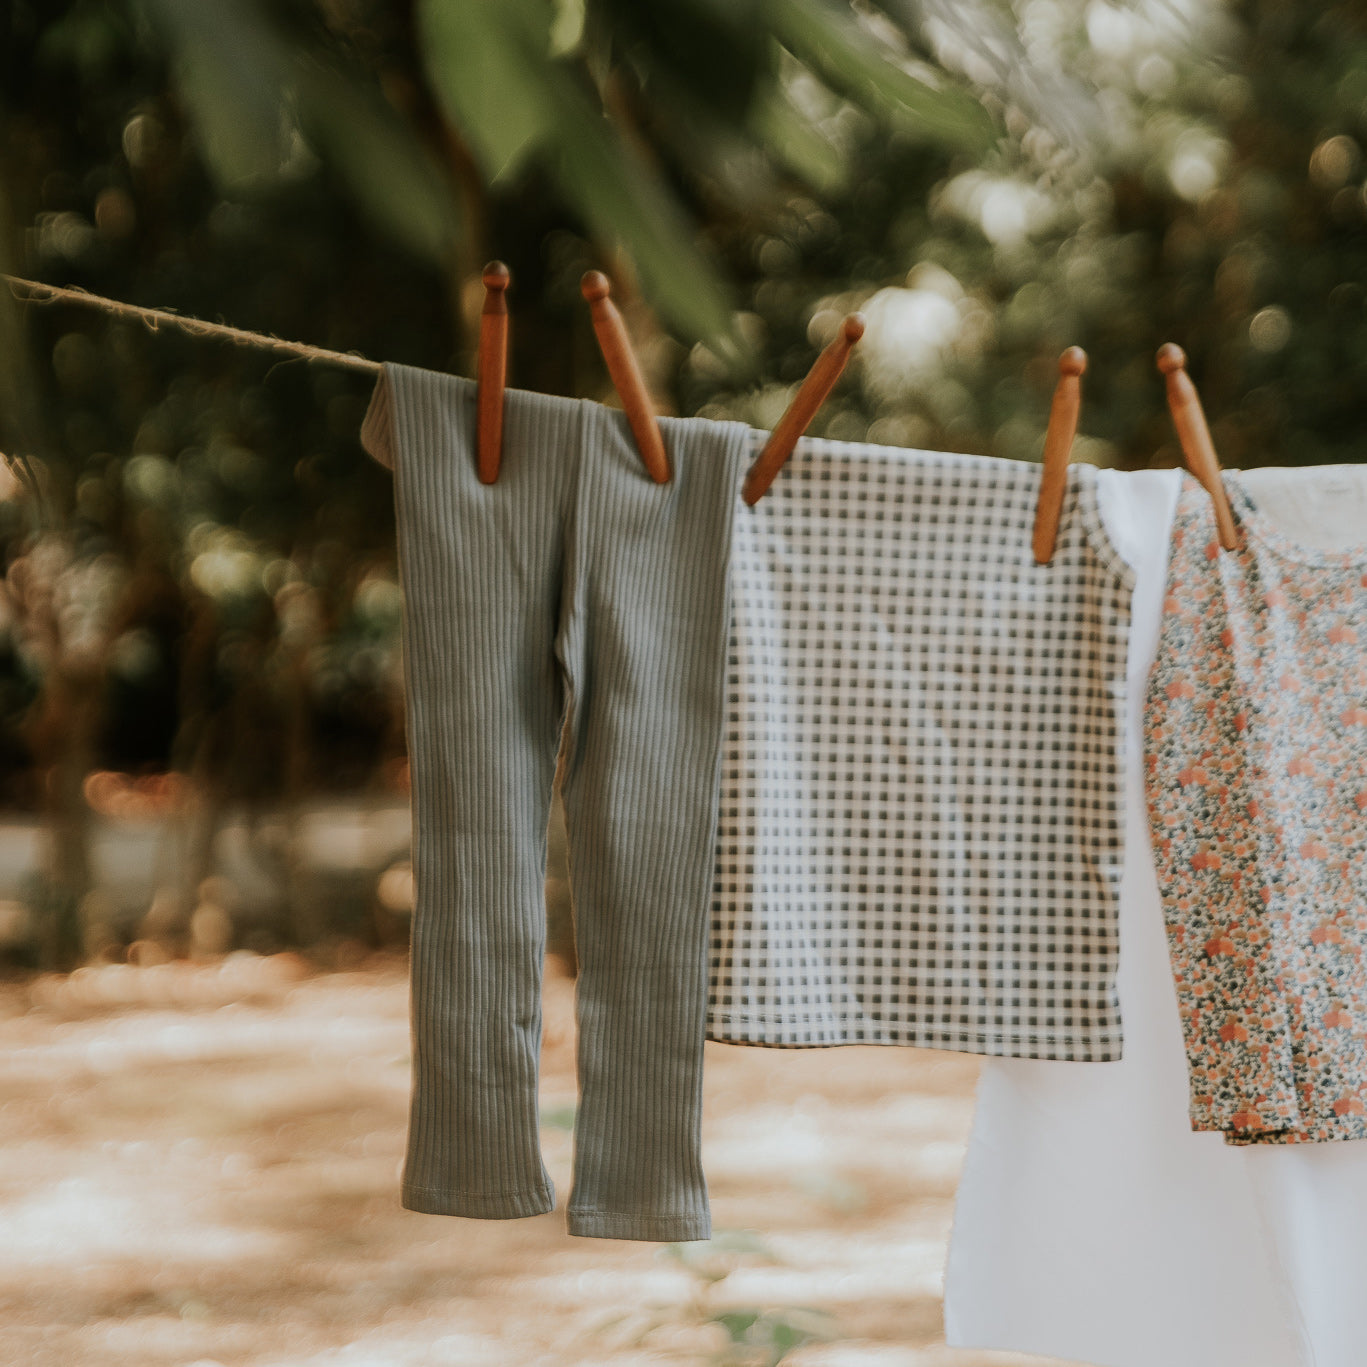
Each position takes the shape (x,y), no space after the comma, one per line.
(576,591)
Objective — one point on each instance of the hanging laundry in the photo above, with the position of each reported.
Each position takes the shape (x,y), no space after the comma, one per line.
(1320,506)
(919,839)
(574,588)
(1091,1222)
(1256,732)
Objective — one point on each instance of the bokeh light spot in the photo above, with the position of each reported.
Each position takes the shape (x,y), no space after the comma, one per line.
(1270,329)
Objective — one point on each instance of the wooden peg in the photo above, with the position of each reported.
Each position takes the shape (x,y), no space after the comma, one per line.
(1194,436)
(626,374)
(809,398)
(1058,446)
(493,369)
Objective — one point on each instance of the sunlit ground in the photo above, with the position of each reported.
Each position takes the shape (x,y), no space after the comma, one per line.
(199,1165)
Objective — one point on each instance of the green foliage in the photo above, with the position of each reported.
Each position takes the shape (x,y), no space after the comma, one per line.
(230,69)
(558,1118)
(395,180)
(528,84)
(826,38)
(736,1336)
(493,72)
(766,1337)
(1217,200)
(254,94)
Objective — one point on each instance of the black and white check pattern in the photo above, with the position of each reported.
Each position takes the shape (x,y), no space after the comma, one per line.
(920,835)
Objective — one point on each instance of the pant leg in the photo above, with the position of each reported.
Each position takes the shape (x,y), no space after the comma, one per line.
(644,645)
(482,574)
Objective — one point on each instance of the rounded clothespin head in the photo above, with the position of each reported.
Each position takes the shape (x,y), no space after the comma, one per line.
(1058,446)
(493,369)
(594,285)
(1193,435)
(1171,357)
(852,329)
(1073,361)
(625,372)
(497,277)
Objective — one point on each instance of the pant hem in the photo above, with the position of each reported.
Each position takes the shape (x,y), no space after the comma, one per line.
(504,1206)
(662,1229)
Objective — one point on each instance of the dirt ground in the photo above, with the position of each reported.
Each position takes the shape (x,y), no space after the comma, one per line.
(199,1166)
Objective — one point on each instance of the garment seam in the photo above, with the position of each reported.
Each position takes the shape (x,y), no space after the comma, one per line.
(1097,533)
(477,1195)
(692,1219)
(1253,522)
(1063,1035)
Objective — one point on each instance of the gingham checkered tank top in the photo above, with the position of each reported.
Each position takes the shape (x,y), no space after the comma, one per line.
(920,824)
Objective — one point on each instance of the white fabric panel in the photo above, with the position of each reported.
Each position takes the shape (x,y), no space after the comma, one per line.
(1092,1224)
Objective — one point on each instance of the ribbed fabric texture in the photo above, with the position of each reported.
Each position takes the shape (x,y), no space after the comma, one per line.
(573,589)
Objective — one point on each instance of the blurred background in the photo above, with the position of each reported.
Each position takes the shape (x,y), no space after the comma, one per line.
(201,734)
(202,760)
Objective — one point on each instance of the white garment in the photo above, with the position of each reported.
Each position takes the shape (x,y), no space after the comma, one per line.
(1091,1223)
(1313,1198)
(1324,506)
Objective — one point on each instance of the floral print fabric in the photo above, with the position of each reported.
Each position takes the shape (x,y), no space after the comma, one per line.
(1256,775)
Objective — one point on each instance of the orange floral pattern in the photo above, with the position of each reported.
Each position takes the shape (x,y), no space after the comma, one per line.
(1256,771)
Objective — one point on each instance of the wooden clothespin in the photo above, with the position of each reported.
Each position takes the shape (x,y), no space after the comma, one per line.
(1194,436)
(626,374)
(1058,446)
(809,398)
(493,369)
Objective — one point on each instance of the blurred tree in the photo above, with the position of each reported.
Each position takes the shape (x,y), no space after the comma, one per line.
(1217,198)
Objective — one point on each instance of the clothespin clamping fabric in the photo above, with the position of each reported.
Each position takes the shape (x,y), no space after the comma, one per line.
(1194,435)
(1058,446)
(809,398)
(625,372)
(493,370)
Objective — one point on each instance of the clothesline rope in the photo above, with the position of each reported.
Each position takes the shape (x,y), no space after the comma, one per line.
(35,292)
